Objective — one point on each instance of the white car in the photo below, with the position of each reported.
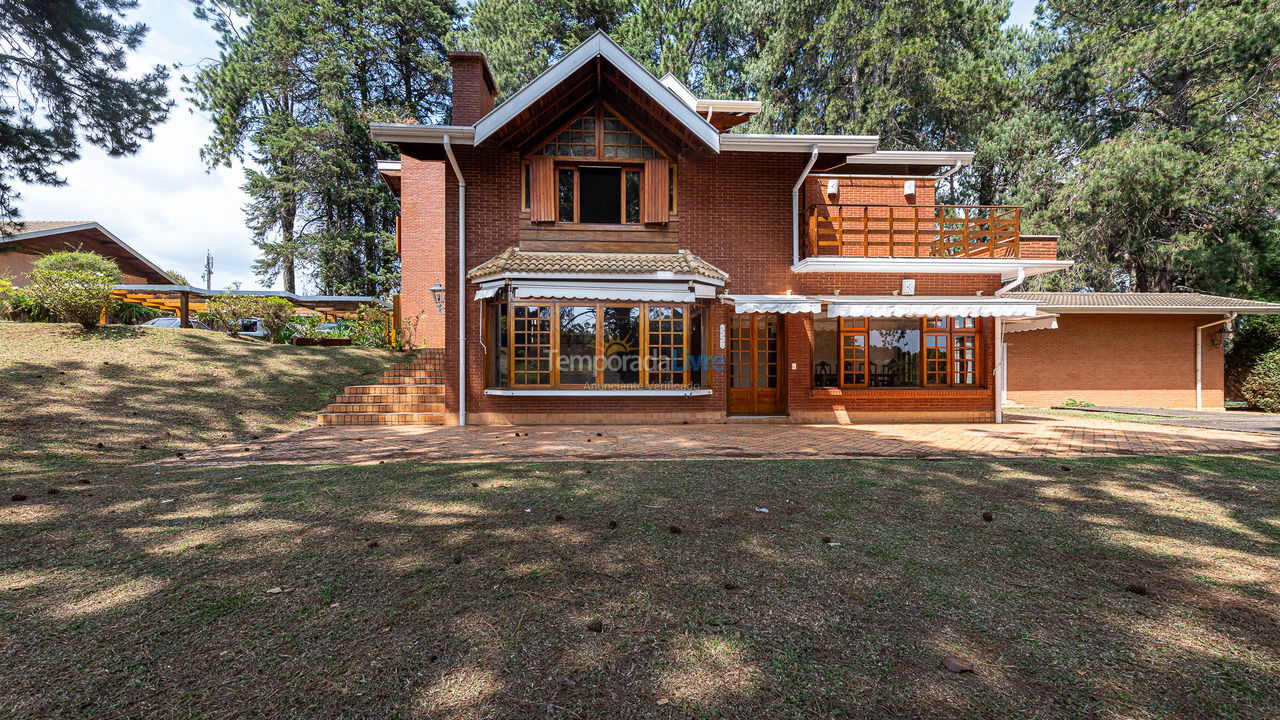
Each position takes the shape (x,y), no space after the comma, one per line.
(173,322)
(253,327)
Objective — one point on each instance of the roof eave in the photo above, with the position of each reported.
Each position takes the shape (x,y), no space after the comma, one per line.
(430,134)
(89,226)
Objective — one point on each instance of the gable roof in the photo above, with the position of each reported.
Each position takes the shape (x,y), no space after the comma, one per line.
(602,46)
(24,232)
(1187,303)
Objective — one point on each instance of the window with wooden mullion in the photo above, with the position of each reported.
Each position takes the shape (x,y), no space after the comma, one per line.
(531,344)
(853,353)
(667,343)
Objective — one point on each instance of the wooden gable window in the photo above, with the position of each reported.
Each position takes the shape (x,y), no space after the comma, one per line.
(600,171)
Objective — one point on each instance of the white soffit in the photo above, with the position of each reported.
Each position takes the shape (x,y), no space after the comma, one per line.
(892,306)
(598,45)
(1007,268)
(912,157)
(746,142)
(773,303)
(678,292)
(702,105)
(430,134)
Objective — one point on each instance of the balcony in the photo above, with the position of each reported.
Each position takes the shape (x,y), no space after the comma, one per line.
(913,231)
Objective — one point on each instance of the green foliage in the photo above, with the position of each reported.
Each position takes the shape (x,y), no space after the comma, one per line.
(276,312)
(130,313)
(293,89)
(73,286)
(370,327)
(62,78)
(227,310)
(1261,388)
(1253,336)
(178,278)
(7,291)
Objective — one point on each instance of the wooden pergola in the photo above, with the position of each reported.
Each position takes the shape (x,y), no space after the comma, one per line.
(182,300)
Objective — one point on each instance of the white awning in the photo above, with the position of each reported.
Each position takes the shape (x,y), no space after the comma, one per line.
(1043,321)
(774,303)
(883,306)
(488,290)
(679,292)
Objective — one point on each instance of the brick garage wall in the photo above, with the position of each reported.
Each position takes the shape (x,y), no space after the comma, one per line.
(422,238)
(734,212)
(1114,359)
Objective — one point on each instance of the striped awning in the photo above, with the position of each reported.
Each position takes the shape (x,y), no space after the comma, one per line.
(774,303)
(894,306)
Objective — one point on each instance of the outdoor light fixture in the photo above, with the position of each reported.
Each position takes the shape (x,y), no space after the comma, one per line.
(1216,337)
(437,294)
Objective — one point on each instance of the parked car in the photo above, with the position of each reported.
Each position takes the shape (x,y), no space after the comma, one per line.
(332,327)
(253,327)
(173,322)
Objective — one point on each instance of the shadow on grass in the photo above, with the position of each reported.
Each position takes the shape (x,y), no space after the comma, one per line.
(145,392)
(1130,587)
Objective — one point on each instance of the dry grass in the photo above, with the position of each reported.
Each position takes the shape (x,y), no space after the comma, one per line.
(452,591)
(146,392)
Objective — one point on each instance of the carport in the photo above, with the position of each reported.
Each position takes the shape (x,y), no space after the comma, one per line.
(182,300)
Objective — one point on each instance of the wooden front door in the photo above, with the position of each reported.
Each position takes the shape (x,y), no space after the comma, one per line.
(754,346)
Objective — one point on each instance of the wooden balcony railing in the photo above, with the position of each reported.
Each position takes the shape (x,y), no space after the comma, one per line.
(913,231)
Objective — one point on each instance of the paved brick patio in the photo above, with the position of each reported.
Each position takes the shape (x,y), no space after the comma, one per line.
(1022,435)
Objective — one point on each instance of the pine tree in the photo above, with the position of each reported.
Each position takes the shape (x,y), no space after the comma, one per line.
(62,80)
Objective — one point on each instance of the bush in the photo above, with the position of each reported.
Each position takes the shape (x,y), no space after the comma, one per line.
(131,313)
(1261,387)
(226,312)
(73,286)
(7,291)
(1252,337)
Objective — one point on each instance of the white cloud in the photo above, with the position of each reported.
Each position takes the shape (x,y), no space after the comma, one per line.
(161,201)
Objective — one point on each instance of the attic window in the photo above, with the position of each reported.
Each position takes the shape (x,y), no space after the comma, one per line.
(577,140)
(621,142)
(581,139)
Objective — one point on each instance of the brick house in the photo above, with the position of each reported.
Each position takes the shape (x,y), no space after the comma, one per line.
(601,248)
(22,245)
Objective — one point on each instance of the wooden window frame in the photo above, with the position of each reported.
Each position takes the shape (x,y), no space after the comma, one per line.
(643,350)
(625,165)
(950,329)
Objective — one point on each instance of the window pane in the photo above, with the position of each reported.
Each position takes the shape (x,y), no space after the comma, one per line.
(826,339)
(633,196)
(526,186)
(566,195)
(666,346)
(498,341)
(601,195)
(853,354)
(935,359)
(964,360)
(894,352)
(531,345)
(577,345)
(697,351)
(621,345)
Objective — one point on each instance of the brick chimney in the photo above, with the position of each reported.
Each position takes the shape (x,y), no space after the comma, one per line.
(473,87)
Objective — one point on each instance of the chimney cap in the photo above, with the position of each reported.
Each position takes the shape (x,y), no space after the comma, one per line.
(455,56)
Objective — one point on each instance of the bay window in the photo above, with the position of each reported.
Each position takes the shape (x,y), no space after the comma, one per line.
(897,352)
(577,344)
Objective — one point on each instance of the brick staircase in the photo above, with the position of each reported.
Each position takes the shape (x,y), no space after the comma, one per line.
(407,394)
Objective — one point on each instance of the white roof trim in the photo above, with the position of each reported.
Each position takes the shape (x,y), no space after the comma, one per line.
(1006,267)
(388,166)
(703,105)
(1168,310)
(913,157)
(412,133)
(894,306)
(631,291)
(85,226)
(597,276)
(773,303)
(747,142)
(598,45)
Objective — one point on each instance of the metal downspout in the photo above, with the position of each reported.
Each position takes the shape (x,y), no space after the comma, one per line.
(462,283)
(795,205)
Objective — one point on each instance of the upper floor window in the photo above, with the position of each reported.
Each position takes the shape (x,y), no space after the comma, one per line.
(597,169)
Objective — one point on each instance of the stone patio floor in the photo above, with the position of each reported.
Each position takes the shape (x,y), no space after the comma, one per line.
(1022,435)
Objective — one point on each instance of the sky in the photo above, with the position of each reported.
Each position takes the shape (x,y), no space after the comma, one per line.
(162,201)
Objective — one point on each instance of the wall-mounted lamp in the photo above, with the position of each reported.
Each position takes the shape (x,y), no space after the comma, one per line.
(833,187)
(1217,337)
(437,295)
(909,188)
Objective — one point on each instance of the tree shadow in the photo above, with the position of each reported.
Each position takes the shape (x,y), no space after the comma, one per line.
(1137,587)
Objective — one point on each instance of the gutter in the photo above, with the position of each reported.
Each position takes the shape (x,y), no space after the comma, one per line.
(795,205)
(1022,275)
(1200,357)
(462,283)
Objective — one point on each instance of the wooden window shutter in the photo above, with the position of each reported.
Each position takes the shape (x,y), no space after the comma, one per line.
(657,181)
(542,189)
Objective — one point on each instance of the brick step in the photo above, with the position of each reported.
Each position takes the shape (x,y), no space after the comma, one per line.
(388,389)
(419,366)
(327,418)
(385,407)
(412,372)
(391,398)
(394,380)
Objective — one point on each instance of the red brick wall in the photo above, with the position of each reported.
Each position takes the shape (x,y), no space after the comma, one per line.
(422,230)
(1114,359)
(734,213)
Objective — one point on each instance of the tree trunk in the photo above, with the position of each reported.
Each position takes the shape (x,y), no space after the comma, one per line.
(288,214)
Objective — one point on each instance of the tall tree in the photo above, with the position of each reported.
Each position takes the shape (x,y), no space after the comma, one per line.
(292,91)
(1173,178)
(62,66)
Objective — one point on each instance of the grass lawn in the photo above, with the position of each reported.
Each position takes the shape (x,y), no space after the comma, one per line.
(1114,588)
(71,399)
